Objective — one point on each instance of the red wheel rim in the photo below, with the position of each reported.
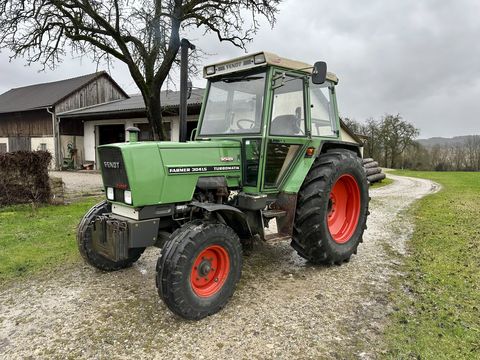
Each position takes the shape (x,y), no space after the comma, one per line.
(343,208)
(210,271)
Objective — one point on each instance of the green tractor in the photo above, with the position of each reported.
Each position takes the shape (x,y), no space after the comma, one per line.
(267,147)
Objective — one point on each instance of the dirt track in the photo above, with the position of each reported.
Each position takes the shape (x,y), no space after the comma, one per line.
(283,308)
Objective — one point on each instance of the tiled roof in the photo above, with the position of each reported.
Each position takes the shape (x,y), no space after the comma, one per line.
(43,95)
(168,98)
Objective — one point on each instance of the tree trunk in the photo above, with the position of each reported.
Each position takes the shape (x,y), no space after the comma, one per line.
(393,162)
(154,115)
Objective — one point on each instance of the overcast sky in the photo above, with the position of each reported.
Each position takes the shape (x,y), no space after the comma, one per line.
(419,58)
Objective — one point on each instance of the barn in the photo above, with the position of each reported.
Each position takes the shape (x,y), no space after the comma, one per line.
(28,115)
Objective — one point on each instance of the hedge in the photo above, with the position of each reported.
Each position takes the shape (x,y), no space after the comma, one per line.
(24,177)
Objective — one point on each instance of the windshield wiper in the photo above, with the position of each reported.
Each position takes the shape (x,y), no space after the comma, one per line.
(242,78)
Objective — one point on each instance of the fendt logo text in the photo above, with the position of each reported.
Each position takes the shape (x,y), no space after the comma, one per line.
(111,164)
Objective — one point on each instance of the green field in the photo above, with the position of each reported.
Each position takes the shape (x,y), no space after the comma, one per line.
(382,183)
(437,303)
(33,239)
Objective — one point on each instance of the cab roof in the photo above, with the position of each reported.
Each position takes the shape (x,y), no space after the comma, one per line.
(259,59)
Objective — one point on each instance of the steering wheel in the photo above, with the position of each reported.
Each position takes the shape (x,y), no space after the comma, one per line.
(248,121)
(300,131)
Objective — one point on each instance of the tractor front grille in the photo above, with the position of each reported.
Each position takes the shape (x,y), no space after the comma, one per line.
(113,168)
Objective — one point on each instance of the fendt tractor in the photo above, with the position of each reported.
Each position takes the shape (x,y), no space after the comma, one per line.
(267,147)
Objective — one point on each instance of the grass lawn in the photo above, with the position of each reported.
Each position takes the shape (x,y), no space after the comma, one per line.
(382,183)
(437,303)
(33,239)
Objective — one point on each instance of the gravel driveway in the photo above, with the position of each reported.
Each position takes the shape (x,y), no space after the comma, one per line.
(283,307)
(78,182)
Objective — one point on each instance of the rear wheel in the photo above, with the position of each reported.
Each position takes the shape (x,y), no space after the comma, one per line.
(332,209)
(198,269)
(85,245)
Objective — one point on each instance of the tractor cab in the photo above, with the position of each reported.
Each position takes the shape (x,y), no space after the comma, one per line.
(275,107)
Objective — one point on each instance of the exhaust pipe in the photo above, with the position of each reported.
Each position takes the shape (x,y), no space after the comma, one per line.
(133,132)
(184,47)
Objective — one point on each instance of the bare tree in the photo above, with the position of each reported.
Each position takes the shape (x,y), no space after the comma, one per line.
(388,139)
(397,135)
(375,142)
(144,34)
(472,150)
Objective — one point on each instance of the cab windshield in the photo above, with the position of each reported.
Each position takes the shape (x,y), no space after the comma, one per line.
(234,105)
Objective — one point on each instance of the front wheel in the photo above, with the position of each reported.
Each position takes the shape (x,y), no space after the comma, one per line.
(332,209)
(198,269)
(85,242)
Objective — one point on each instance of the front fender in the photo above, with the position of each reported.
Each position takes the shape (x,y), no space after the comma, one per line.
(232,216)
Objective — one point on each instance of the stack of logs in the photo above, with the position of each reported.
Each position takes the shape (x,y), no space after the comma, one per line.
(57,188)
(373,171)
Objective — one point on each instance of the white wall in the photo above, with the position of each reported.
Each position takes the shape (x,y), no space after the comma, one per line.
(50,143)
(346,137)
(175,133)
(4,140)
(90,134)
(176,125)
(90,139)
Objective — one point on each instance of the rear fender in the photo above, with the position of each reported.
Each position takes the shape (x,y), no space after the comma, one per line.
(232,216)
(335,144)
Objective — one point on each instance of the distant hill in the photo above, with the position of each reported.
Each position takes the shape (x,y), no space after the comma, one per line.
(444,141)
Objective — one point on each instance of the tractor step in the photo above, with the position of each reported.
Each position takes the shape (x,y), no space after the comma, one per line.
(270,214)
(275,238)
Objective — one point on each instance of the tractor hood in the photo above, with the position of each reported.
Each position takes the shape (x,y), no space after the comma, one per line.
(166,172)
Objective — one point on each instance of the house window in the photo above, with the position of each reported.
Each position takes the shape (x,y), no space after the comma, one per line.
(3,148)
(43,147)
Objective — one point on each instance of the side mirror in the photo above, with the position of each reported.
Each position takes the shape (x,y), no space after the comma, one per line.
(319,72)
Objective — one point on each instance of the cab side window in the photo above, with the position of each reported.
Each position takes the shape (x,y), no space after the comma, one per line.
(288,112)
(322,110)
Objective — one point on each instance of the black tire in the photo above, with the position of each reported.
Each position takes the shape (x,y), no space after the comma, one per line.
(84,242)
(311,235)
(176,263)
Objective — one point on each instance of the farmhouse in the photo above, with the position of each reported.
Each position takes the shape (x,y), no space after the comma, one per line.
(106,123)
(28,115)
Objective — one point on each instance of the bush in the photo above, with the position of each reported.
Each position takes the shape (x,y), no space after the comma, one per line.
(24,177)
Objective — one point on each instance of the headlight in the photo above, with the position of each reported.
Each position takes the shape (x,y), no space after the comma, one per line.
(127,196)
(110,193)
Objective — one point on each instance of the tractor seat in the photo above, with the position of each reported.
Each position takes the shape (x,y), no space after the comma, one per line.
(284,125)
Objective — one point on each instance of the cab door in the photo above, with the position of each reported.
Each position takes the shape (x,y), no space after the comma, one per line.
(288,133)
